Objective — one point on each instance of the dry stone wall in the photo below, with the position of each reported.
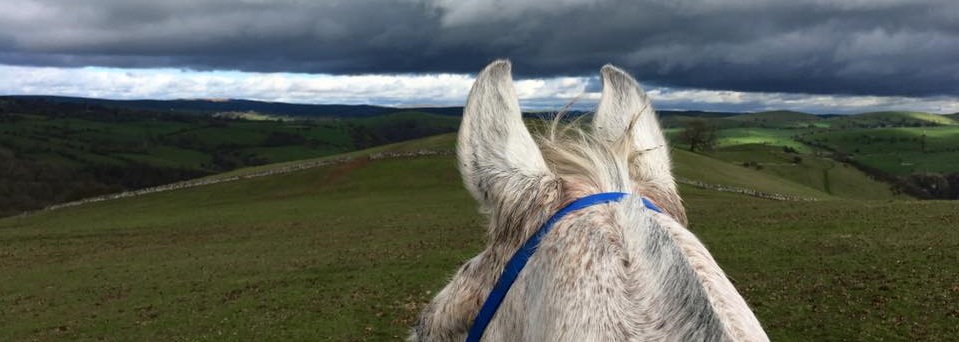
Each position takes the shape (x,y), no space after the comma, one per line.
(374,156)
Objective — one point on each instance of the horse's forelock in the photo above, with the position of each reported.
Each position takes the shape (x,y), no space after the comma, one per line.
(586,165)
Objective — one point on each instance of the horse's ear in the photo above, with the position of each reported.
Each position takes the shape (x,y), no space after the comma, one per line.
(624,108)
(494,147)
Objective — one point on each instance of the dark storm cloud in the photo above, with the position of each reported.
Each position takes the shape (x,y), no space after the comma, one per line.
(875,47)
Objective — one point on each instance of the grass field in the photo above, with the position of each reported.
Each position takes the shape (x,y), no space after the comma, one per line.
(891,119)
(766,136)
(351,252)
(824,175)
(900,150)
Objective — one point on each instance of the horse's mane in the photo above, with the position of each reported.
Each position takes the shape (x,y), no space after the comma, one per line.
(587,164)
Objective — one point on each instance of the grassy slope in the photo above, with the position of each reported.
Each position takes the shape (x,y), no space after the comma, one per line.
(861,135)
(703,168)
(107,151)
(156,144)
(825,175)
(752,135)
(898,150)
(892,118)
(695,166)
(351,252)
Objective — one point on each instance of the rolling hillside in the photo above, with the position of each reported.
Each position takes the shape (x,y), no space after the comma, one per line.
(828,177)
(913,152)
(892,119)
(351,251)
(55,152)
(212,106)
(778,119)
(900,150)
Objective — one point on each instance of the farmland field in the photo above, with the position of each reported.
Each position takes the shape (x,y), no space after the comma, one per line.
(352,252)
(900,150)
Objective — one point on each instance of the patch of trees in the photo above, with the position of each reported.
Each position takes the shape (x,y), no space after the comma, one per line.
(699,134)
(366,134)
(937,185)
(226,159)
(363,136)
(93,112)
(752,164)
(30,185)
(280,138)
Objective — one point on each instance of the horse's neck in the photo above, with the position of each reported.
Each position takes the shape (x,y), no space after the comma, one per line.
(668,294)
(645,274)
(687,269)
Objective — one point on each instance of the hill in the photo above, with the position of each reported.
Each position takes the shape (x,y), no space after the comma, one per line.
(828,177)
(211,106)
(352,250)
(54,152)
(778,119)
(914,152)
(901,150)
(679,119)
(891,119)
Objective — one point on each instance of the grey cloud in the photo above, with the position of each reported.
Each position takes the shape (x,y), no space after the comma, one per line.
(881,47)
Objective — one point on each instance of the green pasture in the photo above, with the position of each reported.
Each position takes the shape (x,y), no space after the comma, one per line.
(822,174)
(892,119)
(352,252)
(778,119)
(898,150)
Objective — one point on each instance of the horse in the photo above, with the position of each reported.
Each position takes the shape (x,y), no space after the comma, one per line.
(618,270)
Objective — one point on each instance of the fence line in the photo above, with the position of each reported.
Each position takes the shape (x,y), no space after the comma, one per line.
(743,191)
(215,180)
(374,156)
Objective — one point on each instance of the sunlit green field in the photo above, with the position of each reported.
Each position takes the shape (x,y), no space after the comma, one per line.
(351,252)
(900,150)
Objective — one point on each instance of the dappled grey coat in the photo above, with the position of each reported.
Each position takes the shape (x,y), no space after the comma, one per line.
(610,272)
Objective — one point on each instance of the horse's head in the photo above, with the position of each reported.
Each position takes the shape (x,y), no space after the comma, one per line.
(513,177)
(609,272)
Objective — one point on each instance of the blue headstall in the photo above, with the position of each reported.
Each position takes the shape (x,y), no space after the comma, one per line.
(521,257)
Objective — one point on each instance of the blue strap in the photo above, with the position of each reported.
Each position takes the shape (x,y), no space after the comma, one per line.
(521,257)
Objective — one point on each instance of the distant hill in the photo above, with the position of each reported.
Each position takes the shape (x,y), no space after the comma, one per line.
(779,118)
(54,151)
(207,106)
(893,119)
(127,144)
(678,118)
(696,113)
(212,106)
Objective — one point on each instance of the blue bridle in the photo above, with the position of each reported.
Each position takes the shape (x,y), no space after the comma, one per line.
(521,257)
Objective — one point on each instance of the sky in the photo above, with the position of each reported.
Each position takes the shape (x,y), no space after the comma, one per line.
(822,56)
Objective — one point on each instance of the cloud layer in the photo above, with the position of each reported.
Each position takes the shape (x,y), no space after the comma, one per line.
(860,47)
(412,90)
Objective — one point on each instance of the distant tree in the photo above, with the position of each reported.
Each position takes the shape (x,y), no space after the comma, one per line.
(699,134)
(936,184)
(280,138)
(922,142)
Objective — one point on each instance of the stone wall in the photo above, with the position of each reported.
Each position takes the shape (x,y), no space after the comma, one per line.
(269,172)
(743,191)
(374,156)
